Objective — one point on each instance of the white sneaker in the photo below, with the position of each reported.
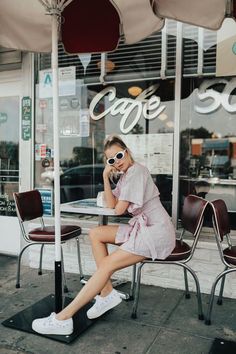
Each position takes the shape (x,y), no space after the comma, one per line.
(103,304)
(50,325)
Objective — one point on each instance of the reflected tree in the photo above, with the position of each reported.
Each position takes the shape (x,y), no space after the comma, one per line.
(137,129)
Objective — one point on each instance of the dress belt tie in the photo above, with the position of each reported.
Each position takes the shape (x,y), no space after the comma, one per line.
(138,223)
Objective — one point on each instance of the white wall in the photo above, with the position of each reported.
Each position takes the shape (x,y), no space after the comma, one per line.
(9,236)
(18,83)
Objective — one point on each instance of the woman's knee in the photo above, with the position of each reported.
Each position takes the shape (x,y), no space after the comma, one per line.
(102,234)
(93,234)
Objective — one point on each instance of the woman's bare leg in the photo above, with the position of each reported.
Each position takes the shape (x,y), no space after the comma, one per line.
(100,236)
(117,260)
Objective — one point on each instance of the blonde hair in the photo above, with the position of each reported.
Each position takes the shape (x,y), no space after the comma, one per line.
(116,140)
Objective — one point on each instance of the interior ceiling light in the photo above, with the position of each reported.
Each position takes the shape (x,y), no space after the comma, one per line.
(170,124)
(163,116)
(135,91)
(109,65)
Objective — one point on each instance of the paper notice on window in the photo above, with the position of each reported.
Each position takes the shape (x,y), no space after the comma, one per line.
(66,81)
(84,122)
(155,151)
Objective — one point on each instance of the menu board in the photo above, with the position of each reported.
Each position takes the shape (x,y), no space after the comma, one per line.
(155,151)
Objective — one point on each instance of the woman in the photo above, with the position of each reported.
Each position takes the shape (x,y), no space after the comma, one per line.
(149,234)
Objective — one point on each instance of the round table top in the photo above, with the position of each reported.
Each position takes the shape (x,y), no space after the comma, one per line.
(86,206)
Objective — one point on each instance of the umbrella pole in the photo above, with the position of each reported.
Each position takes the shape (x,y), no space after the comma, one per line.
(57,218)
(53,302)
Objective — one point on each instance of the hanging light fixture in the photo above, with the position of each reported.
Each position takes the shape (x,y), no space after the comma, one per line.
(109,65)
(170,124)
(163,116)
(134,91)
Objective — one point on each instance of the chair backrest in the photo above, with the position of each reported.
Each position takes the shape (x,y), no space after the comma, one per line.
(29,205)
(193,213)
(220,218)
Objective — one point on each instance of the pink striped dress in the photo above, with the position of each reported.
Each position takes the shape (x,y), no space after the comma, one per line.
(150,232)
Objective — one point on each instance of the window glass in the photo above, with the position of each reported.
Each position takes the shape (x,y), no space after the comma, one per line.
(142,113)
(9,153)
(208,140)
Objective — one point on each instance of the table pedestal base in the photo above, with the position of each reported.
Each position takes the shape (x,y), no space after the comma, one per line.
(22,321)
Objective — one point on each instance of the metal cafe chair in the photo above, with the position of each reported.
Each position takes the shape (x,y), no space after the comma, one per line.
(29,207)
(221,225)
(192,221)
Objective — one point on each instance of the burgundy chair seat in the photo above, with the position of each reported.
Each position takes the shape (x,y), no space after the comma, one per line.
(230,255)
(181,251)
(47,234)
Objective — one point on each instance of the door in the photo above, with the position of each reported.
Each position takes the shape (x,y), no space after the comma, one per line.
(9,162)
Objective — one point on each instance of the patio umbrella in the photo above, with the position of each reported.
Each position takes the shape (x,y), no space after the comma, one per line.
(92,26)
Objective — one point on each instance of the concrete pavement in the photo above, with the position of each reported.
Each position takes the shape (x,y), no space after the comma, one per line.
(167,323)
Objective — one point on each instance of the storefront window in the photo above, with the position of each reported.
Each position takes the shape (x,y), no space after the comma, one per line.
(142,113)
(208,140)
(9,153)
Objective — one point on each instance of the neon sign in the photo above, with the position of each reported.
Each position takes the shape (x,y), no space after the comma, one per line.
(149,108)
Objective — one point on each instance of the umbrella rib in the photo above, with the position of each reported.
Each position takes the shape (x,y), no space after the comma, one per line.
(45,4)
(63,3)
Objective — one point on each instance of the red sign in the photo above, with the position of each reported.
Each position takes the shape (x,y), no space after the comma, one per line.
(42,104)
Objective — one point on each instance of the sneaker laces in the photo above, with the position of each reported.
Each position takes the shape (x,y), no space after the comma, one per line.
(51,321)
(101,300)
(48,321)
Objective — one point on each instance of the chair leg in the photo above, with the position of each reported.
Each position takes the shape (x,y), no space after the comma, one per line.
(213,288)
(133,281)
(187,293)
(137,291)
(199,298)
(63,272)
(79,259)
(220,301)
(209,310)
(41,260)
(19,264)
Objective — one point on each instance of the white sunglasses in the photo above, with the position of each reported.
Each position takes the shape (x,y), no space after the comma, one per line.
(118,156)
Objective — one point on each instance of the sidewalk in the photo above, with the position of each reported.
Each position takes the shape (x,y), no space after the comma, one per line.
(167,323)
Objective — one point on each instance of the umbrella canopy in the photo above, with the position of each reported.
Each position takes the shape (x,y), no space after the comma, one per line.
(96,26)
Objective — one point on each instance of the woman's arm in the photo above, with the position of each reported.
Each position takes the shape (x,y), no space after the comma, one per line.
(111,200)
(120,206)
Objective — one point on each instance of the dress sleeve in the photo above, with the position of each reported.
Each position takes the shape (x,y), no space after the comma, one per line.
(133,187)
(116,190)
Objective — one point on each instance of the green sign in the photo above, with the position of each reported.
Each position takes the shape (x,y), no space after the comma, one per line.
(234,48)
(26,126)
(3,117)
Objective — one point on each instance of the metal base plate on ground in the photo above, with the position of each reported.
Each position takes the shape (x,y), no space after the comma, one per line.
(23,320)
(222,346)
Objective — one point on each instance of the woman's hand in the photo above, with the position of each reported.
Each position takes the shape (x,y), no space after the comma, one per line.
(108,170)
